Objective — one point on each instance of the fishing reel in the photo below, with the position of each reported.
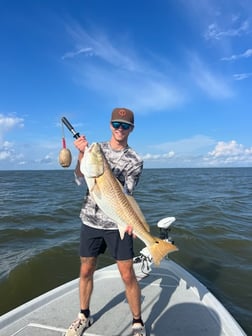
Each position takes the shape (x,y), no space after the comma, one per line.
(65,156)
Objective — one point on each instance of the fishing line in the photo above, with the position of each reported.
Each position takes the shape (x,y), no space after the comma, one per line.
(63,136)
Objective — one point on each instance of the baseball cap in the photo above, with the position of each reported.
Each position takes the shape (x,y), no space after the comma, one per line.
(122,114)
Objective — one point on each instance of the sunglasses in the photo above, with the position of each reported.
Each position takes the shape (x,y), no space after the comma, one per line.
(117,125)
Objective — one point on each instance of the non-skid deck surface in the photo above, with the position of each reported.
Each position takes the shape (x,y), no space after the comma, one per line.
(170,306)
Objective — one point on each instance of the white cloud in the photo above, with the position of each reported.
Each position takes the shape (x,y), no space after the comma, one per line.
(246,54)
(47,159)
(72,54)
(217,33)
(6,150)
(4,154)
(229,153)
(25,154)
(154,157)
(242,76)
(182,153)
(194,152)
(9,122)
(228,148)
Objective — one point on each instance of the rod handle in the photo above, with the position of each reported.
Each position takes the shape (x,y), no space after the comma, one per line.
(76,135)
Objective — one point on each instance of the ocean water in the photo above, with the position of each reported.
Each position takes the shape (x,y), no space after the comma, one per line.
(39,230)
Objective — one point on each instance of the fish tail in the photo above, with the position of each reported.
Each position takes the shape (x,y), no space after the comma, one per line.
(160,249)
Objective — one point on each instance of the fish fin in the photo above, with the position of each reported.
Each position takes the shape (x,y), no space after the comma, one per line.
(90,183)
(96,191)
(121,231)
(160,249)
(138,211)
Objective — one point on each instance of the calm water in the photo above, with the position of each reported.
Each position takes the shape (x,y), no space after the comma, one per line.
(39,230)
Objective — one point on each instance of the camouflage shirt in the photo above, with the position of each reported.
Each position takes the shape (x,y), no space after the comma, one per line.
(126,166)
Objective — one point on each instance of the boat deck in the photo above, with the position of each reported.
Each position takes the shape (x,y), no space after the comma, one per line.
(173,303)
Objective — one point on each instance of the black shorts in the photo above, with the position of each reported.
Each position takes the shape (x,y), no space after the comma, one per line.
(95,241)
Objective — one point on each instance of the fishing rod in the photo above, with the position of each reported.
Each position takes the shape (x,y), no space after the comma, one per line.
(76,135)
(65,156)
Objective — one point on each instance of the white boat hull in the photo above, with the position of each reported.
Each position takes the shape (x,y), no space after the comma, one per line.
(173,303)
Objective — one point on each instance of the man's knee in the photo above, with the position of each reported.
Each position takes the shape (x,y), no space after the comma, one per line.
(127,272)
(128,278)
(87,268)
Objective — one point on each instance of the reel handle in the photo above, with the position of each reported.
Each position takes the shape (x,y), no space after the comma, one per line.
(76,135)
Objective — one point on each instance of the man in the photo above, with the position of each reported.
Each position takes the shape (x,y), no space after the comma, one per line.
(98,231)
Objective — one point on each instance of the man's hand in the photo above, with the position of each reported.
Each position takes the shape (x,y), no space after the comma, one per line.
(81,143)
(129,230)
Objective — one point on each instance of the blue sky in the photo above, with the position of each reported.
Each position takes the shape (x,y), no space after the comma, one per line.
(184,67)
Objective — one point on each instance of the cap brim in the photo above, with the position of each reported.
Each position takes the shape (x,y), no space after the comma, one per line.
(124,121)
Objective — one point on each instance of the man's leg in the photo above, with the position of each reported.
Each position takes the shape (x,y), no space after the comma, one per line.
(133,294)
(132,289)
(122,251)
(87,269)
(84,320)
